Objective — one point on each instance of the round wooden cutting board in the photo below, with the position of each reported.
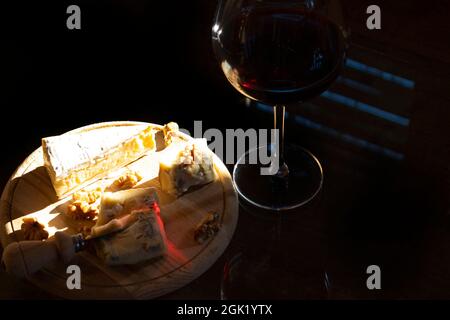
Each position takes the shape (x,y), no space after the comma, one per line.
(29,192)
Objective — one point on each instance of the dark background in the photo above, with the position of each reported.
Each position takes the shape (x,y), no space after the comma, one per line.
(152,61)
(140,60)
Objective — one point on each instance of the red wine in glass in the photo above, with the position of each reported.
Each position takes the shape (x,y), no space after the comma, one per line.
(280,55)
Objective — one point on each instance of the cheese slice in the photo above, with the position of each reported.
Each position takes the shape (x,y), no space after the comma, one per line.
(184,165)
(72,160)
(144,239)
(116,205)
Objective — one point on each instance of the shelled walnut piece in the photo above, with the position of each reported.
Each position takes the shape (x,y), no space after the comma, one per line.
(126,181)
(207,228)
(33,230)
(171,133)
(84,204)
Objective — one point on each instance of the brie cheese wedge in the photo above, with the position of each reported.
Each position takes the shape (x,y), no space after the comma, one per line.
(72,160)
(184,165)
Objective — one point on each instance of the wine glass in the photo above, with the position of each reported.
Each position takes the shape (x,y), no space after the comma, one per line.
(279,52)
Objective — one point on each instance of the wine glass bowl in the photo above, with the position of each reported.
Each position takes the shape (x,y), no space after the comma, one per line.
(278,52)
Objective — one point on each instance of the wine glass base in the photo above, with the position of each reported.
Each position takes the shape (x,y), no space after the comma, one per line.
(304,181)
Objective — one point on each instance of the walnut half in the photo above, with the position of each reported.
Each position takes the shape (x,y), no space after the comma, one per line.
(126,181)
(207,228)
(84,204)
(33,230)
(171,133)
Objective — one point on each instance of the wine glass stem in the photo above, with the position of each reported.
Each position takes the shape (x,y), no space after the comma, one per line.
(279,113)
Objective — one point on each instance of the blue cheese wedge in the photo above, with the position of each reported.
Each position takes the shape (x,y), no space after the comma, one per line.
(72,160)
(184,165)
(116,205)
(143,240)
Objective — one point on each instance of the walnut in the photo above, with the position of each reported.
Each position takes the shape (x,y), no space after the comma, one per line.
(33,230)
(170,131)
(84,204)
(207,228)
(126,181)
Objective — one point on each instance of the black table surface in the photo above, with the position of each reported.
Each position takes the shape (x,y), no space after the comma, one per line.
(381,131)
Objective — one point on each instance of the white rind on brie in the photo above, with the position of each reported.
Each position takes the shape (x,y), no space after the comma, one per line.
(74,159)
